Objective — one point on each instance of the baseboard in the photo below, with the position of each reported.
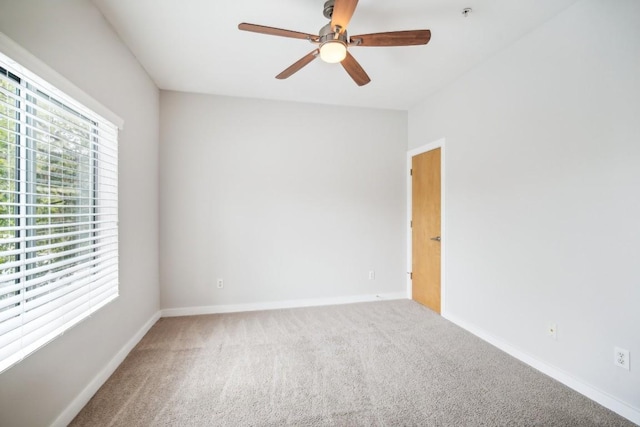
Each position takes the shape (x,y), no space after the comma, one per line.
(599,396)
(85,395)
(275,305)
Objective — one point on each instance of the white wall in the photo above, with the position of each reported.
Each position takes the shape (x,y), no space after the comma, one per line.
(73,39)
(543,193)
(284,201)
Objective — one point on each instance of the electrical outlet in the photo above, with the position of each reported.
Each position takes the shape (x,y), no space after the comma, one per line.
(621,358)
(552,330)
(372,275)
(220,284)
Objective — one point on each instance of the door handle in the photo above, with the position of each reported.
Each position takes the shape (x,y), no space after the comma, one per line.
(437,238)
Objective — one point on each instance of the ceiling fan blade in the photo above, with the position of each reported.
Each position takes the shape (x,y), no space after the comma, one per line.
(276,31)
(342,13)
(295,67)
(355,70)
(394,38)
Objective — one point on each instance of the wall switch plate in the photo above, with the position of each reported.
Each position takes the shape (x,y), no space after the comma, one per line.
(552,330)
(372,275)
(621,358)
(220,283)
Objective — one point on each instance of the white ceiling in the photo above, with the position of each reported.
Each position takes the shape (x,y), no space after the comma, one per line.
(195,45)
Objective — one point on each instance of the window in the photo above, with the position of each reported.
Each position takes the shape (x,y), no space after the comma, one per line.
(58,212)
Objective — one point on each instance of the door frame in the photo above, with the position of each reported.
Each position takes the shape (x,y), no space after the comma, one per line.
(440,143)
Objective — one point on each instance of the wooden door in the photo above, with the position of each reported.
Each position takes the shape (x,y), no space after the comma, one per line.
(426,229)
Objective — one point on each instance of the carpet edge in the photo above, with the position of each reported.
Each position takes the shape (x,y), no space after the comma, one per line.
(76,405)
(603,398)
(276,305)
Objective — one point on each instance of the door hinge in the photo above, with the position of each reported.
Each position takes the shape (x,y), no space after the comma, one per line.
(411,276)
(411,224)
(411,172)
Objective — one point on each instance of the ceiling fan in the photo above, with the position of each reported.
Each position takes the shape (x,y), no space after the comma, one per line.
(333,41)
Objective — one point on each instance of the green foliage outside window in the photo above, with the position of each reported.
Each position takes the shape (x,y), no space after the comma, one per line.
(56,200)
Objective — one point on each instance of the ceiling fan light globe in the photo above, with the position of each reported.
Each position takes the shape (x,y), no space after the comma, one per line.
(333,51)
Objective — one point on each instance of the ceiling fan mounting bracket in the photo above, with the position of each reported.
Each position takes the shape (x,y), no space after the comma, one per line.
(313,39)
(328,9)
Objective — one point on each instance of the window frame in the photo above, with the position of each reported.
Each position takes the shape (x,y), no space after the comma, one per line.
(99,183)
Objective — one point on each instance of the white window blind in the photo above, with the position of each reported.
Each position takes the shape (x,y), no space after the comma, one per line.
(58,212)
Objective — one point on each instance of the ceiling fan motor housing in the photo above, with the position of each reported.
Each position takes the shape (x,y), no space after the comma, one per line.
(327,33)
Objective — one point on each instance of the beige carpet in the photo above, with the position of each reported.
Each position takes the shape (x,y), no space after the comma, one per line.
(391,363)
